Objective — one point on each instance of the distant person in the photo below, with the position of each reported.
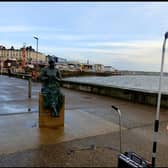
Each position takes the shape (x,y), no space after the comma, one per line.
(34,74)
(53,98)
(9,71)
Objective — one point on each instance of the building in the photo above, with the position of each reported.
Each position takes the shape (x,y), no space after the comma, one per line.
(98,67)
(31,55)
(28,57)
(109,69)
(56,59)
(74,66)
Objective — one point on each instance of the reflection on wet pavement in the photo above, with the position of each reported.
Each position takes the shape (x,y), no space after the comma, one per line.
(14,95)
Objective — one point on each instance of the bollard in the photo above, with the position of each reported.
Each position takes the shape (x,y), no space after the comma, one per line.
(29,106)
(29,87)
(29,92)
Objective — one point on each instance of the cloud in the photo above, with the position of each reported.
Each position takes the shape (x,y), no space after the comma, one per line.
(78,49)
(69,37)
(21,28)
(143,51)
(75,37)
(124,55)
(138,52)
(13,28)
(135,44)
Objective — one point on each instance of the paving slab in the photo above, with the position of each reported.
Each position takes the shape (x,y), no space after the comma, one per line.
(20,132)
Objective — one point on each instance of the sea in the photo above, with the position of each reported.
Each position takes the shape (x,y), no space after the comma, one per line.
(136,82)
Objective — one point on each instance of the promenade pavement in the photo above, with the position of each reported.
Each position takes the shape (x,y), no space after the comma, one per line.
(89,120)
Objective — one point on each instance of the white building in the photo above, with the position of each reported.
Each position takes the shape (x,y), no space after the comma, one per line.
(98,67)
(109,69)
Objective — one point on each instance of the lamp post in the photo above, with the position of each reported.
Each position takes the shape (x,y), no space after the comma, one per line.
(156,124)
(1,63)
(119,114)
(36,55)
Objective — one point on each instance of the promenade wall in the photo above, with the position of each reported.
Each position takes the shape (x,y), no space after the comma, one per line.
(137,96)
(133,95)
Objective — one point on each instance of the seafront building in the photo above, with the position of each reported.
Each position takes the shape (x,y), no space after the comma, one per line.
(18,54)
(26,56)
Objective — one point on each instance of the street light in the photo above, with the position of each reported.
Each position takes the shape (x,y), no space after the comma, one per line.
(36,56)
(119,115)
(1,63)
(156,124)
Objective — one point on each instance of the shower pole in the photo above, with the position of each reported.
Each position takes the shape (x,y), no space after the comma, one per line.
(156,124)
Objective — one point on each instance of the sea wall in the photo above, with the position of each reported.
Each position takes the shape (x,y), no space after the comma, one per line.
(85,73)
(137,96)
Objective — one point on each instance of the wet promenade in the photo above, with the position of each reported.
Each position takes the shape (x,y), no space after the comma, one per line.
(89,120)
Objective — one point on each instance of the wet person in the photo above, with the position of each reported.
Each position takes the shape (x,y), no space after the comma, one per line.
(53,98)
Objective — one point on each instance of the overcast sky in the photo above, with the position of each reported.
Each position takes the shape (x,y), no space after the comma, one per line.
(125,35)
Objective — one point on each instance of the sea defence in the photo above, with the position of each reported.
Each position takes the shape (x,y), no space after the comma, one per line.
(134,95)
